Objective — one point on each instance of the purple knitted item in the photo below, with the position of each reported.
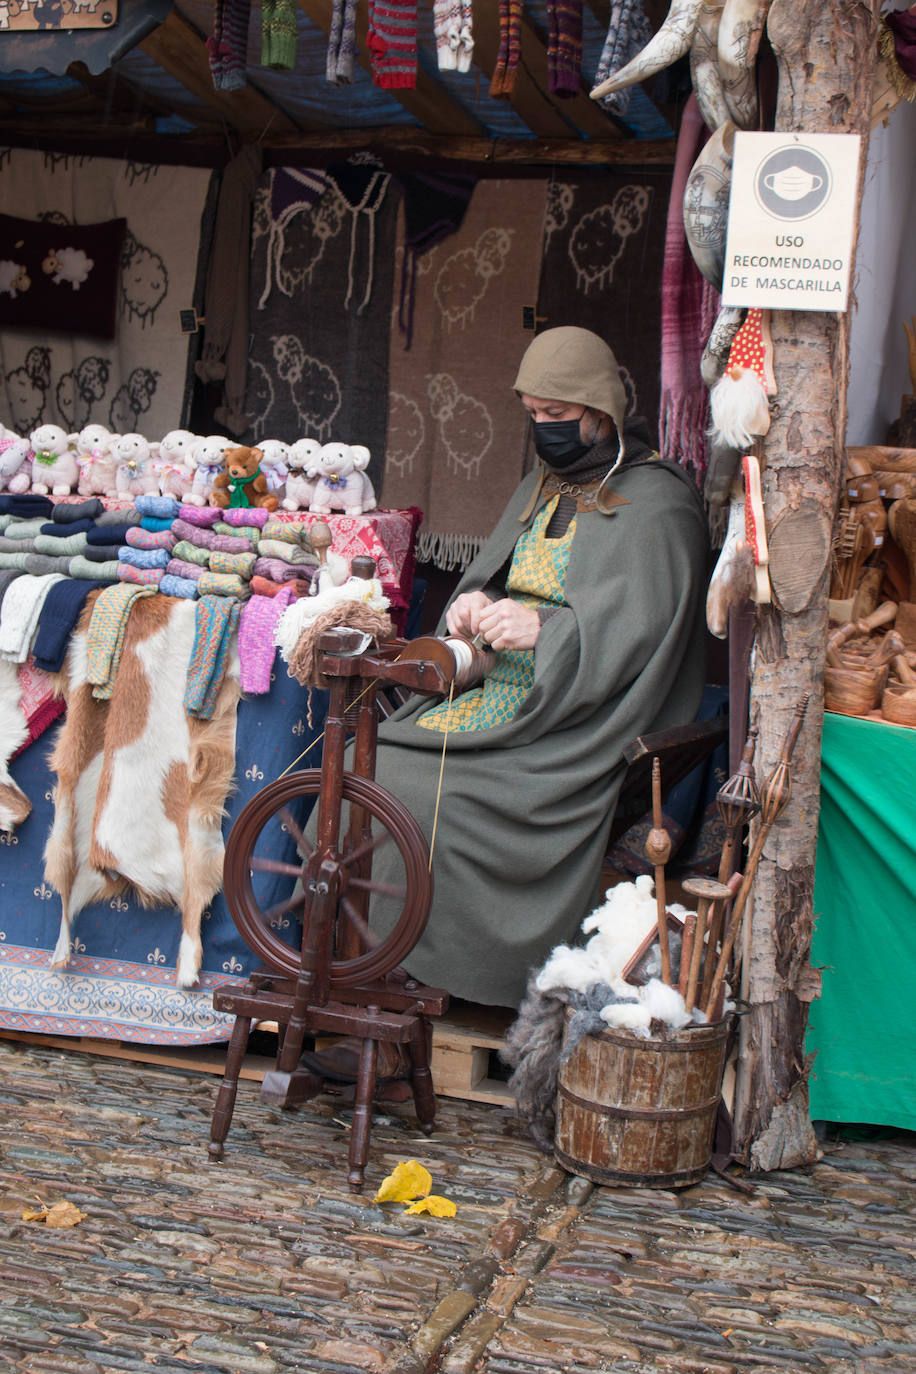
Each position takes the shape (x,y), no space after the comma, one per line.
(257,626)
(206,539)
(200,515)
(145,576)
(277,571)
(139,538)
(177,567)
(244,515)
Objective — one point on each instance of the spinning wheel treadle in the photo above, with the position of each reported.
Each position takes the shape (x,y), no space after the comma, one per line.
(243,859)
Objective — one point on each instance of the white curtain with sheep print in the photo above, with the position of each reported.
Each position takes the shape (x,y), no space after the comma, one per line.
(138,380)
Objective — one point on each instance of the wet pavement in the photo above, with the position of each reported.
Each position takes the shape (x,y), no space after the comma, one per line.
(267,1263)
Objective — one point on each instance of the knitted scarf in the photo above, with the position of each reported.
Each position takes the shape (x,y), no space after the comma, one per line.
(564,47)
(392,43)
(105,638)
(689,309)
(502,84)
(216,620)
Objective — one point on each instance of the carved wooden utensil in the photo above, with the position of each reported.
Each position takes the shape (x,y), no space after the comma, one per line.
(658,851)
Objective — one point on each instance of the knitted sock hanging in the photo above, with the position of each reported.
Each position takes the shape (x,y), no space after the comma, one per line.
(453,28)
(628,33)
(564,47)
(278,35)
(393,43)
(229,43)
(342,43)
(506,69)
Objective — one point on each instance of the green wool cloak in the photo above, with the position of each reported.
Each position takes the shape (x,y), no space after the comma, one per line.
(526,805)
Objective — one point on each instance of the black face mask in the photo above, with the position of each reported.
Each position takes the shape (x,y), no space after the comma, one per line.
(558,442)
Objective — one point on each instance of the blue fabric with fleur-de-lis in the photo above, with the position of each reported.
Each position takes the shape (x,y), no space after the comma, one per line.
(120,983)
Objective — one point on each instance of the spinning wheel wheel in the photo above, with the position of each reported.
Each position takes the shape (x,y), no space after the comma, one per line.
(268,838)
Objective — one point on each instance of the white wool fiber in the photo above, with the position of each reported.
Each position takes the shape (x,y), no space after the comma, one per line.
(300,614)
(627,1016)
(664,1004)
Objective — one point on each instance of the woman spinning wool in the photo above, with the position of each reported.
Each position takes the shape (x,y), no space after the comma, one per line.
(591,591)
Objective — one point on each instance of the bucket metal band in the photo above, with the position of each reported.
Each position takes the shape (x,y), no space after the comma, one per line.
(645,1113)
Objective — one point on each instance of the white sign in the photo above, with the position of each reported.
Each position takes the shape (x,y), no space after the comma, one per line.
(790,221)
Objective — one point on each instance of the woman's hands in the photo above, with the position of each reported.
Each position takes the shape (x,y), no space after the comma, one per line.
(503,624)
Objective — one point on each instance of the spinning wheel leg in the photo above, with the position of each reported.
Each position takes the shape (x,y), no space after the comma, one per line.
(422,1079)
(362,1114)
(225,1099)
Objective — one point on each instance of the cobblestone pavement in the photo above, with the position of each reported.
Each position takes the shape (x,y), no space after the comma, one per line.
(267,1263)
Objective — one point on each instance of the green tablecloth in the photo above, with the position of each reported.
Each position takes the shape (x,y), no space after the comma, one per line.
(863,1027)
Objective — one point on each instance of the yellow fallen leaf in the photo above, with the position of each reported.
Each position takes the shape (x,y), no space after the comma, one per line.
(409,1180)
(59,1214)
(436,1206)
(64,1214)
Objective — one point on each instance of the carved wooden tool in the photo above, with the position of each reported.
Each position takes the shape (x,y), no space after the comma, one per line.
(706,891)
(885,614)
(902,520)
(737,801)
(774,798)
(321,539)
(687,942)
(658,851)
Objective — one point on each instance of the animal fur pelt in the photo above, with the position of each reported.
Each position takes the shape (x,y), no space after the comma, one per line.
(534,1048)
(141,786)
(14,731)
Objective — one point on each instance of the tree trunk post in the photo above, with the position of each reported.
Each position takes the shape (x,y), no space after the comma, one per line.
(826,52)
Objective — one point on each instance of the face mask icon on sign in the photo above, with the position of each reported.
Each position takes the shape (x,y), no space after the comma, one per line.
(793,183)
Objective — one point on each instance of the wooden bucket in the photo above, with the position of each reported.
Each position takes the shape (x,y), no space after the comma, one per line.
(641,1112)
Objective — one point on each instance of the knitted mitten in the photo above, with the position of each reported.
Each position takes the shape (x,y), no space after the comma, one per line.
(278,35)
(392,43)
(342,43)
(564,47)
(506,69)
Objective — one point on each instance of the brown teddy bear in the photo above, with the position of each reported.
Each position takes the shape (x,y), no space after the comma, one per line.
(242,483)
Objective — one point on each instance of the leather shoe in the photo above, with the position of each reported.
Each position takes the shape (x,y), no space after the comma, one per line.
(340,1062)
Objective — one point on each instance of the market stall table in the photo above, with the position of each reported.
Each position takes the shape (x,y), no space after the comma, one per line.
(863,1027)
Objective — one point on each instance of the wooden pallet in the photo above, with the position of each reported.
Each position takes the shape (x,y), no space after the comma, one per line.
(463,1043)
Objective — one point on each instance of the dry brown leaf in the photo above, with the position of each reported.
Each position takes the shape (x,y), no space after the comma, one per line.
(59,1214)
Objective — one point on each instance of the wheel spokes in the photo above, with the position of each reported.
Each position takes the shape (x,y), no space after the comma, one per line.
(364,850)
(281,908)
(366,934)
(274,866)
(383,889)
(303,843)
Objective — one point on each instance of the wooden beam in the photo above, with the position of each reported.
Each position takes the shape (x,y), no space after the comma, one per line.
(430,102)
(518,152)
(178,48)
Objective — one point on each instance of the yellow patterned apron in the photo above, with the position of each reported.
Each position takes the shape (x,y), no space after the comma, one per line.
(537,576)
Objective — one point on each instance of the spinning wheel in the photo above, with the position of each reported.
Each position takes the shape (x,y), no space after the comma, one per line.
(252,849)
(343,977)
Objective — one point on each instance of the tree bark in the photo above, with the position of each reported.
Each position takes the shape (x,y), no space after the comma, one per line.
(826,52)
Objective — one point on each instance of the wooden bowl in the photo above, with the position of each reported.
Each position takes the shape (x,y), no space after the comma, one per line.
(853,691)
(898,704)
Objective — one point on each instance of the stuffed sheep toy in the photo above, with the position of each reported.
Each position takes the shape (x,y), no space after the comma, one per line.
(97,463)
(275,465)
(300,479)
(206,461)
(135,475)
(172,465)
(54,466)
(15,464)
(342,483)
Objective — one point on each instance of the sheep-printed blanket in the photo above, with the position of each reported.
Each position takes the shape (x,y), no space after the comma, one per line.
(456,432)
(141,786)
(139,380)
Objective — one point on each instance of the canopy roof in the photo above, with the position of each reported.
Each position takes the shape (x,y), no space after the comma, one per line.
(148,76)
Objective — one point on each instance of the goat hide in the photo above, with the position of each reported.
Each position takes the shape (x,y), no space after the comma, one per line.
(141,786)
(14,731)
